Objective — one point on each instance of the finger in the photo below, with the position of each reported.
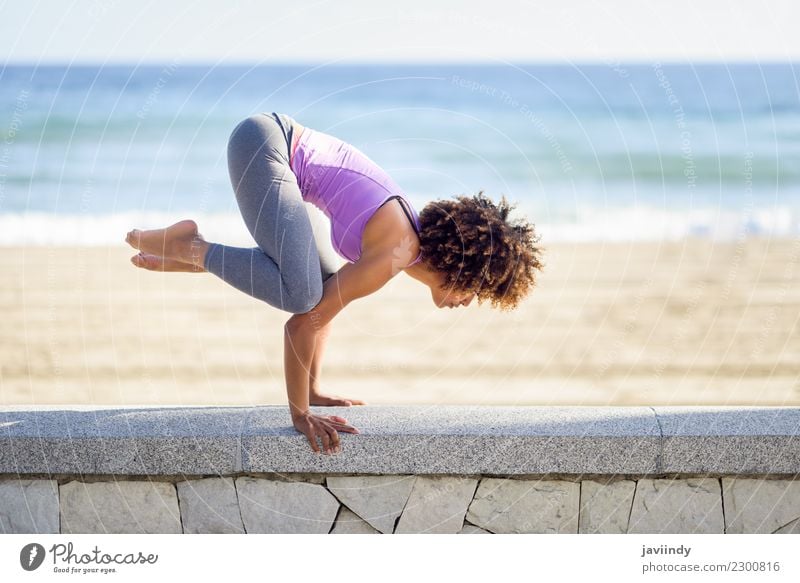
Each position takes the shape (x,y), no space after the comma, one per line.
(347,428)
(312,439)
(344,427)
(334,439)
(326,440)
(341,424)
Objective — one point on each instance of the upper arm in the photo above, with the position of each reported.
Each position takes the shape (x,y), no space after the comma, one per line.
(387,248)
(352,281)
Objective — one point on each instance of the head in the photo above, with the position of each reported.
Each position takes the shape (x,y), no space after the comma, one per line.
(477,252)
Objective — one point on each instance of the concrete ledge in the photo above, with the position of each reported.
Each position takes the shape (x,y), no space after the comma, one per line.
(444,469)
(730,440)
(470,440)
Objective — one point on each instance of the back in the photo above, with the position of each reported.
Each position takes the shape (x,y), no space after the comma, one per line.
(345,184)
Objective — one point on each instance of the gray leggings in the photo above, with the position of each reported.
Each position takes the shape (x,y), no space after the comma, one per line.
(288,267)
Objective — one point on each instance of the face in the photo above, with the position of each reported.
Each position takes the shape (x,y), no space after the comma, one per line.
(448,297)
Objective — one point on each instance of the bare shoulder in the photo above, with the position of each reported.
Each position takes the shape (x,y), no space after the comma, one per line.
(389,233)
(299,129)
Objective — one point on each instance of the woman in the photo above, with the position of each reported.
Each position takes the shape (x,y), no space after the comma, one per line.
(461,249)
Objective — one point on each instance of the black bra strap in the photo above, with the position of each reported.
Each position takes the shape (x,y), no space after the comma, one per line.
(405,210)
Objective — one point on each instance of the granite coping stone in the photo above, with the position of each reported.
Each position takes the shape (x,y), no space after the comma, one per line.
(121,440)
(737,440)
(401,439)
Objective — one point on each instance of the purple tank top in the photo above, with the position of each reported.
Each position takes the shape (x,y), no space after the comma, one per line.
(344,184)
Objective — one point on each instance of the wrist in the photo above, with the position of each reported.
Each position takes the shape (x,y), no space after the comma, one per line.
(297,415)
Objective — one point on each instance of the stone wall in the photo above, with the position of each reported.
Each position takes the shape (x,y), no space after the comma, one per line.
(470,470)
(400,504)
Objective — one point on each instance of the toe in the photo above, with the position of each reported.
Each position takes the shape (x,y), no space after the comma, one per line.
(141,260)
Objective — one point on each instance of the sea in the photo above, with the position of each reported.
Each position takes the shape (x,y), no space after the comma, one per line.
(586,152)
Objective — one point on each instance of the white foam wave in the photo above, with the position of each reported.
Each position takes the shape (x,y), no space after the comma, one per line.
(643,223)
(624,224)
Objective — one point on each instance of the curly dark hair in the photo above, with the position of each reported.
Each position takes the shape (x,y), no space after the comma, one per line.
(471,241)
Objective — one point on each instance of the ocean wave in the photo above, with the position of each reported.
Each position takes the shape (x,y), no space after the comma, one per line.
(642,223)
(638,223)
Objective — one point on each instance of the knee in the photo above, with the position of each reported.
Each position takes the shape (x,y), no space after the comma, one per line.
(246,130)
(302,303)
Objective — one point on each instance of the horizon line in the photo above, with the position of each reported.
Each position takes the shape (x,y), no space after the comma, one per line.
(301,63)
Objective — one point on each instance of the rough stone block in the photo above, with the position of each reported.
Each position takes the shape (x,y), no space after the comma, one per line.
(348,522)
(677,506)
(210,506)
(272,507)
(757,506)
(792,528)
(525,506)
(472,529)
(377,499)
(437,504)
(606,507)
(28,506)
(121,507)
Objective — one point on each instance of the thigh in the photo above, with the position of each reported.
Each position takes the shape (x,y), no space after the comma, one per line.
(269,197)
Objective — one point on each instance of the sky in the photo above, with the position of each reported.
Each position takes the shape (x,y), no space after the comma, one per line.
(360,31)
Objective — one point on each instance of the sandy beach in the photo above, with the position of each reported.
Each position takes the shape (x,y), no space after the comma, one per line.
(678,323)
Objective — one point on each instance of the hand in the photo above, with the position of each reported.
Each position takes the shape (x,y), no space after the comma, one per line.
(324,426)
(332,401)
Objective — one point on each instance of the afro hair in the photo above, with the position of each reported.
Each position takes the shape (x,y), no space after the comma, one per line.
(472,241)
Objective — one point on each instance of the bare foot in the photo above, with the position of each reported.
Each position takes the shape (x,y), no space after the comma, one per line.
(156,263)
(332,401)
(180,242)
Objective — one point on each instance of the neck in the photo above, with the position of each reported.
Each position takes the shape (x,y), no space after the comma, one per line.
(421,272)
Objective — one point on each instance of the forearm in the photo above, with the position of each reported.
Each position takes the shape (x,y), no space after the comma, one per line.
(298,352)
(316,360)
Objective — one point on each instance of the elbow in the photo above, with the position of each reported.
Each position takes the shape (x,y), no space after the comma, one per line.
(301,324)
(294,324)
(299,337)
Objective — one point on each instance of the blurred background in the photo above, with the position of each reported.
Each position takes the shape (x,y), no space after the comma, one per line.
(656,149)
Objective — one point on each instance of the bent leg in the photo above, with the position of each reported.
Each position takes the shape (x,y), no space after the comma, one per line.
(285,269)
